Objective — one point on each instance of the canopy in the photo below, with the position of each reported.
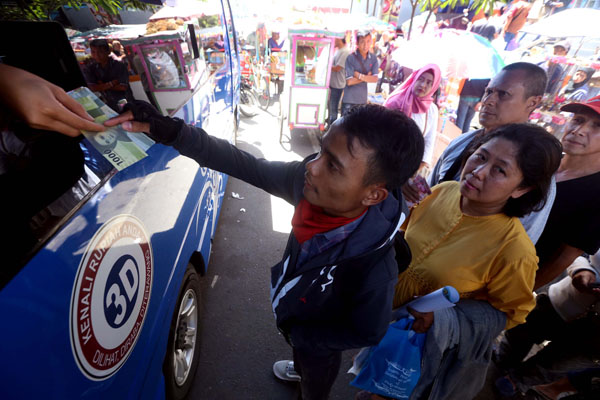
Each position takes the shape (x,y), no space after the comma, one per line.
(188,9)
(575,22)
(458,53)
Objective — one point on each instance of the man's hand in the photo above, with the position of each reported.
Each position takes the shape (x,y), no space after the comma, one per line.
(583,280)
(423,321)
(140,116)
(43,105)
(128,123)
(416,189)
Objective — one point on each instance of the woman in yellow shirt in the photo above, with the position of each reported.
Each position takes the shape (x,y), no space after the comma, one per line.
(467,235)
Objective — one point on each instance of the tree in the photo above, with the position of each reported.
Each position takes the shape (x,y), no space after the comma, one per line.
(431,5)
(39,10)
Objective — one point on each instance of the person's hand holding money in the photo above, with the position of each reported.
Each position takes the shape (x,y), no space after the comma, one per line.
(43,105)
(140,116)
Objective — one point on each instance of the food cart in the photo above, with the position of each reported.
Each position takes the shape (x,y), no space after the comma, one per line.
(167,58)
(171,64)
(306,84)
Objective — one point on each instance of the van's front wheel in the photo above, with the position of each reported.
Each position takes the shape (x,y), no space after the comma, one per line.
(183,349)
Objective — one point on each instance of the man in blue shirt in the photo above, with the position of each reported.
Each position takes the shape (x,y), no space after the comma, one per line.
(272,43)
(362,67)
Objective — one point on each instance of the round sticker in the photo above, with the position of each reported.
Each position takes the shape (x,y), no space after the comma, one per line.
(111,296)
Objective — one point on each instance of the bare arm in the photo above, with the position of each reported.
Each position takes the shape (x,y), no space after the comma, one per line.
(337,68)
(360,78)
(559,262)
(41,104)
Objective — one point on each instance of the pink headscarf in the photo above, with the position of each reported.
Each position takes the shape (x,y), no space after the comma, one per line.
(403,98)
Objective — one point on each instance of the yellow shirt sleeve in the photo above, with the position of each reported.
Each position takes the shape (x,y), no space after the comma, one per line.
(510,289)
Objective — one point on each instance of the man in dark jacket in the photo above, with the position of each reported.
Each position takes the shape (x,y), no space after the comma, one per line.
(333,289)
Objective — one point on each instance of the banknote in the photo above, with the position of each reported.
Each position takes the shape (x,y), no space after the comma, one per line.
(119,147)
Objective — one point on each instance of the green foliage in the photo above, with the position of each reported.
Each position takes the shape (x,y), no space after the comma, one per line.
(477,4)
(208,21)
(42,9)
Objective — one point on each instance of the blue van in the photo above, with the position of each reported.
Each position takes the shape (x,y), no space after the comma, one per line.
(100,269)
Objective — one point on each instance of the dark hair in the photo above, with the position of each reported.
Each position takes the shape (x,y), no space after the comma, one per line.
(362,33)
(396,140)
(343,40)
(100,44)
(538,158)
(535,77)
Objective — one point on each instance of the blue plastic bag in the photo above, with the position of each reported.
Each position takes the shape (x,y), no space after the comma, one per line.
(393,366)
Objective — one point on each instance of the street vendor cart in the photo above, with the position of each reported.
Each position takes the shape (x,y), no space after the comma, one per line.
(306,84)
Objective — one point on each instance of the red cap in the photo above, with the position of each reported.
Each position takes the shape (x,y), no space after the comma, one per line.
(591,104)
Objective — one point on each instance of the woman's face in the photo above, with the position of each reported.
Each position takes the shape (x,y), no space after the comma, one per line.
(423,84)
(491,176)
(579,76)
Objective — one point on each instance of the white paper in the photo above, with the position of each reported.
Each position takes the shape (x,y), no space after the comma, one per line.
(440,299)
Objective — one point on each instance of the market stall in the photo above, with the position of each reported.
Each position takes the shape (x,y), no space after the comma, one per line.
(306,90)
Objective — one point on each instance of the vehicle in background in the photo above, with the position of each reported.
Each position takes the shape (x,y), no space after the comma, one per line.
(103,299)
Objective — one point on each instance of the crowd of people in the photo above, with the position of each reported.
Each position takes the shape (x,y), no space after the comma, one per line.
(503,217)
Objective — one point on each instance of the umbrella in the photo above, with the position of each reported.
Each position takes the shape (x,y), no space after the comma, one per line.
(458,53)
(575,22)
(187,10)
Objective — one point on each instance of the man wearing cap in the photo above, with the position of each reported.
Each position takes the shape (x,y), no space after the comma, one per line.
(571,230)
(362,67)
(572,227)
(273,43)
(554,70)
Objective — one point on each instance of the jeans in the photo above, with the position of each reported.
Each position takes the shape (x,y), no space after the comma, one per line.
(347,107)
(318,373)
(465,113)
(335,95)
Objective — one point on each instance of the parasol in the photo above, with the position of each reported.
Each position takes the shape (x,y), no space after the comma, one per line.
(575,22)
(458,53)
(187,9)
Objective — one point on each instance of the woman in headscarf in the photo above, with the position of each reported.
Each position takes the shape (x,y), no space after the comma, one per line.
(415,99)
(577,89)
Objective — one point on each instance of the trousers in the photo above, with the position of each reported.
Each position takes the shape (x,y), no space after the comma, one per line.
(318,373)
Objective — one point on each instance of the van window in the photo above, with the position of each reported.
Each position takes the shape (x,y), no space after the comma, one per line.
(212,36)
(44,178)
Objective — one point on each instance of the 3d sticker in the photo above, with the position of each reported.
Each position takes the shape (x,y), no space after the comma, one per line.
(110,296)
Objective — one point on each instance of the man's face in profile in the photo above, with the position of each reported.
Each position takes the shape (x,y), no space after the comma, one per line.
(334,180)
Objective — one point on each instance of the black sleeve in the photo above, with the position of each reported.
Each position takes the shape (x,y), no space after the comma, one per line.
(281,179)
(368,323)
(584,232)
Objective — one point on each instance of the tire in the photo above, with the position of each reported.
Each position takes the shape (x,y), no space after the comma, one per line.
(263,94)
(248,103)
(183,348)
